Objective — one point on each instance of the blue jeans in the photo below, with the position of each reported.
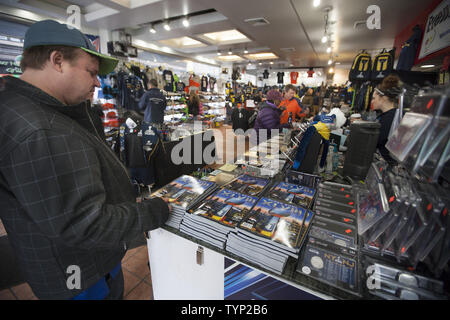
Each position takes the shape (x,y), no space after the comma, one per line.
(110,287)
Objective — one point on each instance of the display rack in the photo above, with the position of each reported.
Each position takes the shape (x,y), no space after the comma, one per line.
(336,258)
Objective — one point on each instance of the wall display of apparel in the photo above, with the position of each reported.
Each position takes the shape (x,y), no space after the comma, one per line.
(288,76)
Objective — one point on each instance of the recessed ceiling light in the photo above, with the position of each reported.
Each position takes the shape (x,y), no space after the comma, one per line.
(227,36)
(328,49)
(152,29)
(245,51)
(338,63)
(271,62)
(324,39)
(186,22)
(183,42)
(316,3)
(230,52)
(427,66)
(260,63)
(330,61)
(261,56)
(230,58)
(331,70)
(218,53)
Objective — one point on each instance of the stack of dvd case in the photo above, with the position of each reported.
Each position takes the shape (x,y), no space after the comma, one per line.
(331,252)
(216,216)
(336,213)
(292,193)
(270,233)
(183,193)
(250,185)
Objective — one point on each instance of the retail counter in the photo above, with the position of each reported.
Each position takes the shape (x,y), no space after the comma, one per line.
(180,270)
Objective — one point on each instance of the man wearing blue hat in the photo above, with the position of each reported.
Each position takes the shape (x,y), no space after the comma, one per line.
(67,202)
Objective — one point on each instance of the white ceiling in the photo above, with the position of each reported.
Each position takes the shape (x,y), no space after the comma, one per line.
(293,24)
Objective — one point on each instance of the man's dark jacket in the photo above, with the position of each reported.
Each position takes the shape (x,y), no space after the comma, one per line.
(154,103)
(65,198)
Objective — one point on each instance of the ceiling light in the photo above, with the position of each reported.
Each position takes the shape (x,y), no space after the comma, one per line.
(427,66)
(227,36)
(328,49)
(316,3)
(260,63)
(338,63)
(218,53)
(331,70)
(230,52)
(271,62)
(324,39)
(182,42)
(166,26)
(330,61)
(230,58)
(261,56)
(186,22)
(152,29)
(245,51)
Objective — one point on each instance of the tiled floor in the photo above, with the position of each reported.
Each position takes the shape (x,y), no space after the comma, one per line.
(136,274)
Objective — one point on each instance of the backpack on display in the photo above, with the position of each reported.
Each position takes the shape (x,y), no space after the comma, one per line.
(382,65)
(361,67)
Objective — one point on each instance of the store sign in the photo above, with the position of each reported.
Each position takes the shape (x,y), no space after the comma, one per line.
(9,67)
(95,41)
(437,30)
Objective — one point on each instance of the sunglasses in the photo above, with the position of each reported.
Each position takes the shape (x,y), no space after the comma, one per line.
(379,92)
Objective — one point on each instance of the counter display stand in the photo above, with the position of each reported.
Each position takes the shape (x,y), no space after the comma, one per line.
(183,267)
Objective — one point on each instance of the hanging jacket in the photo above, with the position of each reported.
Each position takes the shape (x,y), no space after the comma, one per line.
(409,50)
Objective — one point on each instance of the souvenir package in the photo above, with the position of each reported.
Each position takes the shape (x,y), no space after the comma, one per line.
(331,264)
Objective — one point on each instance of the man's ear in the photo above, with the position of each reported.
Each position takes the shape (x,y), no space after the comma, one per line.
(56,60)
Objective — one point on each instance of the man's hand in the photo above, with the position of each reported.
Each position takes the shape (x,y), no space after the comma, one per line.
(168,204)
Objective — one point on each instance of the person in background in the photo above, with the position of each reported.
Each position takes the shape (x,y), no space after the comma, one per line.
(66,199)
(316,102)
(384,100)
(269,115)
(291,106)
(154,102)
(258,98)
(240,117)
(195,107)
(308,99)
